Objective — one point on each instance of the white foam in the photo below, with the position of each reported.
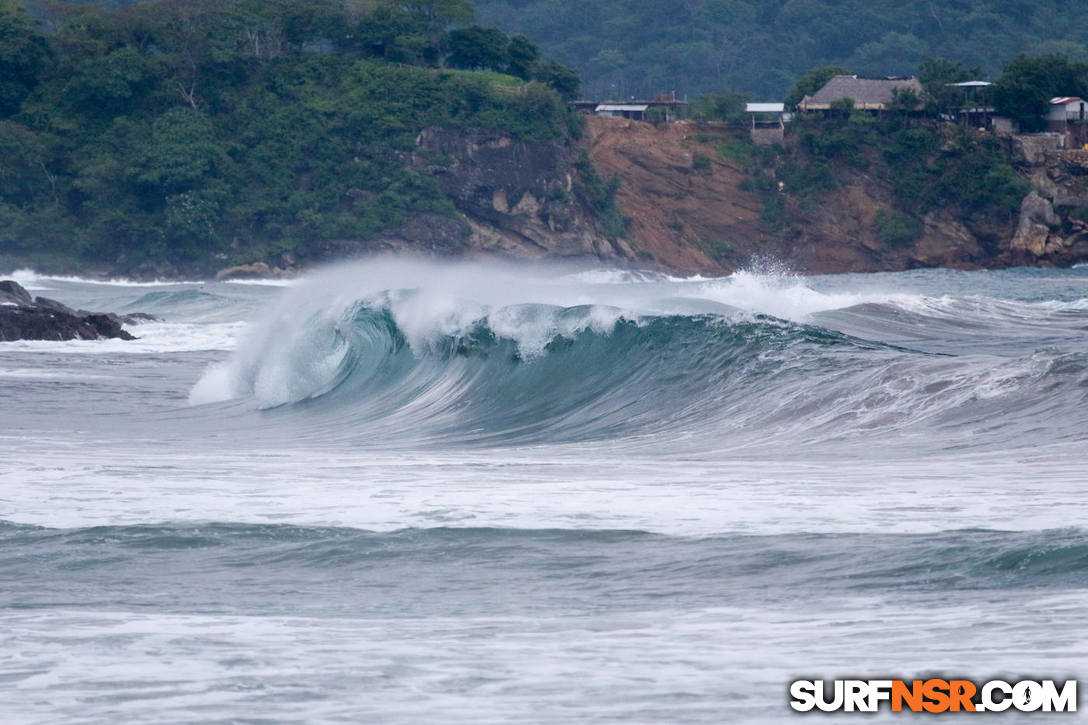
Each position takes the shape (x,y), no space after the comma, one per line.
(788,297)
(1058,305)
(42,374)
(529,305)
(533,327)
(32,280)
(269,282)
(153,337)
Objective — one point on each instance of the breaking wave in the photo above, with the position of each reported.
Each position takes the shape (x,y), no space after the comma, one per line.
(401,352)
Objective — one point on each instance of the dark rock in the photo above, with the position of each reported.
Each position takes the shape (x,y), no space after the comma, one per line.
(24,318)
(517,196)
(108,325)
(257,270)
(135,318)
(53,306)
(12,291)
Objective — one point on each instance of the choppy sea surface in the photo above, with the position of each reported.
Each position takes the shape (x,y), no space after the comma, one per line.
(397,492)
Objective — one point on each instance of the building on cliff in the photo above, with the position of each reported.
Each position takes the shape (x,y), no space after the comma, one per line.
(867,94)
(660,107)
(1068,115)
(1063,110)
(768,122)
(631,111)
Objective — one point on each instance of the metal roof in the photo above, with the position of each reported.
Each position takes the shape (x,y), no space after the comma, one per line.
(1065,100)
(765,107)
(621,107)
(971,84)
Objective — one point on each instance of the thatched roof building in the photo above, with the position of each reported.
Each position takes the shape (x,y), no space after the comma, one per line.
(868,94)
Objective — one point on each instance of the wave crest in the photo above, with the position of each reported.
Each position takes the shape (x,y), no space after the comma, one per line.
(482,355)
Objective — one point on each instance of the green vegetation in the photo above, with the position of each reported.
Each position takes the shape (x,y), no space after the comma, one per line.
(717,249)
(1028,83)
(181,129)
(897,229)
(813,80)
(739,151)
(718,107)
(937,75)
(929,166)
(762,47)
(600,196)
(774,213)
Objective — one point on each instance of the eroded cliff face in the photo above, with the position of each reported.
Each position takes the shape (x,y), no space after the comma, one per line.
(689,209)
(679,217)
(515,199)
(1053,225)
(518,197)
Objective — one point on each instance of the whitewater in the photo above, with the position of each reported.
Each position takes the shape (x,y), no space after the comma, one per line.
(402,491)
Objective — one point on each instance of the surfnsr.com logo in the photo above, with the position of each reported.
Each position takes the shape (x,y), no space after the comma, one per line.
(933,695)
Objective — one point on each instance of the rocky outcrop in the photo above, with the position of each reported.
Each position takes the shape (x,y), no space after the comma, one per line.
(1037,222)
(1053,225)
(687,206)
(1033,148)
(518,197)
(257,270)
(23,317)
(692,209)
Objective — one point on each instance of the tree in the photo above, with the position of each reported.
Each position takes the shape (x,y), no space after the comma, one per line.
(24,176)
(904,100)
(440,14)
(813,81)
(1028,82)
(477,48)
(563,79)
(937,76)
(183,153)
(843,106)
(23,56)
(392,33)
(103,85)
(893,54)
(522,54)
(175,128)
(718,107)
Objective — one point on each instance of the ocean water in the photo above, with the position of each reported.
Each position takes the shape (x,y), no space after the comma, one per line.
(401,492)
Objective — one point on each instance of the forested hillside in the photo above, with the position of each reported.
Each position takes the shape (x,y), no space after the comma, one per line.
(189,130)
(760,47)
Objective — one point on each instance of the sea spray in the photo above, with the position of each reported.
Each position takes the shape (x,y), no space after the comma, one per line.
(498,354)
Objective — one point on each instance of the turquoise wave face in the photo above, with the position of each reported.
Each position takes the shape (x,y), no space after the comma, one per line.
(404,367)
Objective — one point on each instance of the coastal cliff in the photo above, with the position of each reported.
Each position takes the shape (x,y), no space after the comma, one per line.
(696,203)
(1053,223)
(695,200)
(518,198)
